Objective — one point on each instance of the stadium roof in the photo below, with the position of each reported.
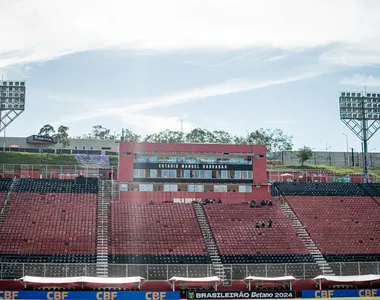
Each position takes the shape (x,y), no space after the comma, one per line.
(357,278)
(82,279)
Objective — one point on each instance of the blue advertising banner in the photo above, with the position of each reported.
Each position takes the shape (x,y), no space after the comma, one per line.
(240,295)
(60,295)
(341,293)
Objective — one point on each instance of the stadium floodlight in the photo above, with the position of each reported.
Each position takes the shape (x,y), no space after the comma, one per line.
(12,101)
(361,113)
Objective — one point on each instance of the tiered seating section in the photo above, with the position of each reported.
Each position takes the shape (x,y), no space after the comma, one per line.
(240,242)
(342,218)
(166,233)
(320,189)
(50,221)
(340,225)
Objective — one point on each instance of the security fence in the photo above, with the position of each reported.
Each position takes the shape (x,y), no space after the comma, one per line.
(164,272)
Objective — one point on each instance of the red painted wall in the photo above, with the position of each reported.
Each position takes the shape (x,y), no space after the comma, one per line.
(258,194)
(259,169)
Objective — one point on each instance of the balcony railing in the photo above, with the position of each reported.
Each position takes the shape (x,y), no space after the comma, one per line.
(164,272)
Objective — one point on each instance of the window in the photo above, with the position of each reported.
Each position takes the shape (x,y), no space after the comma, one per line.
(155,152)
(245,189)
(173,173)
(186,173)
(220,188)
(153,173)
(139,173)
(146,187)
(199,174)
(123,187)
(224,174)
(247,174)
(237,175)
(208,174)
(164,173)
(195,188)
(170,188)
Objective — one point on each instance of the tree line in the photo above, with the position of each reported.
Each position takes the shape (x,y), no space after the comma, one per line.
(276,140)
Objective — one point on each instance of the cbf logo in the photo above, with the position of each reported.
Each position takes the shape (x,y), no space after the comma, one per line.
(190,295)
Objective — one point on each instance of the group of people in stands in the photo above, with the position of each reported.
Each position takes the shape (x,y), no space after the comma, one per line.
(263,225)
(253,204)
(209,201)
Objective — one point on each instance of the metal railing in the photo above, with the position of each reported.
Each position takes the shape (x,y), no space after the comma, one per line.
(164,272)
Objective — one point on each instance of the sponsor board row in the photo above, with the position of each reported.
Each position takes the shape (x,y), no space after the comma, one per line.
(71,295)
(341,293)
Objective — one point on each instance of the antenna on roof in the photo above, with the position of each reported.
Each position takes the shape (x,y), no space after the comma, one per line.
(181,125)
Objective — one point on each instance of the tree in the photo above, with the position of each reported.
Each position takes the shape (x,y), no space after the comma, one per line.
(275,140)
(304,154)
(62,136)
(167,136)
(46,130)
(199,135)
(100,133)
(129,136)
(222,137)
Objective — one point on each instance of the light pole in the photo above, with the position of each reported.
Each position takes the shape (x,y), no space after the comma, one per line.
(348,155)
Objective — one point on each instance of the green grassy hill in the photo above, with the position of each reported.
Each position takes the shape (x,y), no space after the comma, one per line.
(22,158)
(338,171)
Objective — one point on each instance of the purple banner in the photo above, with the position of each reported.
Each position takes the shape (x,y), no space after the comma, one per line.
(93,161)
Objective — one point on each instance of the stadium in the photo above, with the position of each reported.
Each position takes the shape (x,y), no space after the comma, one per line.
(185,220)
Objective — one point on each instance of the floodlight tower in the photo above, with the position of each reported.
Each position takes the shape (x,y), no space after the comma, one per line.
(12,101)
(361,113)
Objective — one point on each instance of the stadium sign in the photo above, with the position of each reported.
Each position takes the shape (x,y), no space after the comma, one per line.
(185,166)
(240,295)
(193,166)
(40,139)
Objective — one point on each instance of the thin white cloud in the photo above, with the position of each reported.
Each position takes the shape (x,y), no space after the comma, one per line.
(38,31)
(276,58)
(353,55)
(361,80)
(224,88)
(148,123)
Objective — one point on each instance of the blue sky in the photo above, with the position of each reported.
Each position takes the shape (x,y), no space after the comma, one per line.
(230,65)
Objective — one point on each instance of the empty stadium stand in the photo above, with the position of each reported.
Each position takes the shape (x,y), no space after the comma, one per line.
(340,224)
(319,189)
(342,218)
(240,242)
(164,233)
(49,221)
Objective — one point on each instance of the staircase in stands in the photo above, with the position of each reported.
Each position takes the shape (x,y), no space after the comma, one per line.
(306,239)
(8,200)
(212,249)
(104,198)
